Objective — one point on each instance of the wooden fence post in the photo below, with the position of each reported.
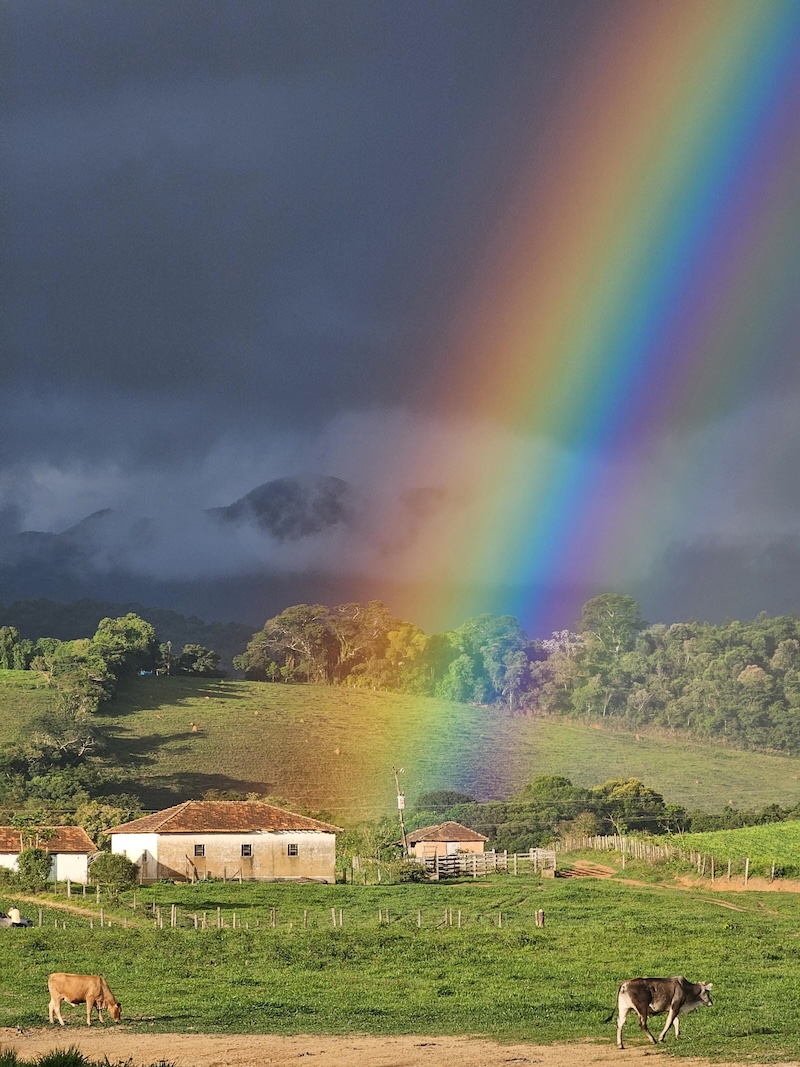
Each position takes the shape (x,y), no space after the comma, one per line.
(746,869)
(540,918)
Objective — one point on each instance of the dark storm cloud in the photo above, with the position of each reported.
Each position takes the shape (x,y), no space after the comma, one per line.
(234,234)
(250,205)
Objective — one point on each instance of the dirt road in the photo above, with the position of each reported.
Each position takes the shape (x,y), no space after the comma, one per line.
(261,1050)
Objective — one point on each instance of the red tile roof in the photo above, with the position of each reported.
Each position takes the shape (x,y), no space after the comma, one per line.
(220,817)
(445,831)
(66,839)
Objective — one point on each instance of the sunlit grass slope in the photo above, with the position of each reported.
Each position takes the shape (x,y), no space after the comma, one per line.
(23,697)
(333,749)
(777,843)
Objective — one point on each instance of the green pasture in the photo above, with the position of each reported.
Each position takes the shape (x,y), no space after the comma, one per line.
(23,696)
(332,749)
(507,979)
(777,843)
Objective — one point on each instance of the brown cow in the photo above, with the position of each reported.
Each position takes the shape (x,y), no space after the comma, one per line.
(652,996)
(79,988)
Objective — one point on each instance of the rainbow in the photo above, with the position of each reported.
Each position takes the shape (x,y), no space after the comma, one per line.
(638,276)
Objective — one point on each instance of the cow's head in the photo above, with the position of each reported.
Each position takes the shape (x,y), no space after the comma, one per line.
(705,996)
(116,1012)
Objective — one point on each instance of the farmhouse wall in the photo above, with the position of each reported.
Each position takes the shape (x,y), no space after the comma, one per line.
(62,866)
(430,849)
(72,866)
(142,849)
(273,856)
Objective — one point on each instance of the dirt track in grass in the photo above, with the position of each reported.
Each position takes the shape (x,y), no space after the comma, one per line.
(262,1050)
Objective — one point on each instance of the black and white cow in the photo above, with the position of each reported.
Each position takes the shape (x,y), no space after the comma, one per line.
(652,996)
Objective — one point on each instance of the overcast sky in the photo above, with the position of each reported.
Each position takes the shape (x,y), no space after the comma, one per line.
(234,233)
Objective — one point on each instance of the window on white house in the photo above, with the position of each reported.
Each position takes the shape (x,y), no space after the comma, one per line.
(247,850)
(291,850)
(199,850)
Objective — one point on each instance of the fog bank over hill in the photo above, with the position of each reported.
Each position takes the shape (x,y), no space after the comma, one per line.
(329,540)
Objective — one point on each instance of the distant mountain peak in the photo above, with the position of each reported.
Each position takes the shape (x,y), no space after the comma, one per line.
(293,508)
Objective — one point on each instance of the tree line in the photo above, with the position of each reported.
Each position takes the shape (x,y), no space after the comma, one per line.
(549,807)
(737,681)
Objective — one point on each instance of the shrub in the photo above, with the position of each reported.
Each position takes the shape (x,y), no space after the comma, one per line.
(33,867)
(114,871)
(412,871)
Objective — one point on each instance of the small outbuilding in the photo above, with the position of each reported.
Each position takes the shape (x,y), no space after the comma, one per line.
(69,846)
(228,839)
(433,842)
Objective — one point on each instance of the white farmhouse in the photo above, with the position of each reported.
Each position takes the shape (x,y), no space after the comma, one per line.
(228,839)
(69,846)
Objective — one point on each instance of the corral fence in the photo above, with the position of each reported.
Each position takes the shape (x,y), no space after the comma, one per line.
(703,864)
(479,864)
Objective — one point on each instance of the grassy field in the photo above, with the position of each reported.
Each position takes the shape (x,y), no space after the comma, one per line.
(23,696)
(332,749)
(512,982)
(777,843)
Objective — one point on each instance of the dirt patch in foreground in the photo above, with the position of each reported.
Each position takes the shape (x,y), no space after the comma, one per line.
(263,1050)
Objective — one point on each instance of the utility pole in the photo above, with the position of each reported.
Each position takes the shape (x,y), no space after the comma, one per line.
(401,803)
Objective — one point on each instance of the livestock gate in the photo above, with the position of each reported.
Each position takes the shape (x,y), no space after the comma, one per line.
(478,864)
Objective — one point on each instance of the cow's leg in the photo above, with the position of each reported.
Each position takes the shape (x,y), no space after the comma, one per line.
(622,1014)
(89,1006)
(55,1009)
(643,1023)
(672,1018)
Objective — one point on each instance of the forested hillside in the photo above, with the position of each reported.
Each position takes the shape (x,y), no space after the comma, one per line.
(651,686)
(737,682)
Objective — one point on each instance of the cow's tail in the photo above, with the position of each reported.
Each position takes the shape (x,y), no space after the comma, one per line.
(613,1010)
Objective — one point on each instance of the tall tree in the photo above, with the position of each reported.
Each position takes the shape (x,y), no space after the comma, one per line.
(615,619)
